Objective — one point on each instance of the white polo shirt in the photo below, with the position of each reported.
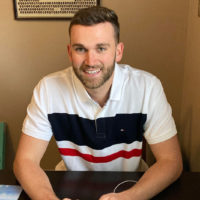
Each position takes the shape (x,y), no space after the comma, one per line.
(103,139)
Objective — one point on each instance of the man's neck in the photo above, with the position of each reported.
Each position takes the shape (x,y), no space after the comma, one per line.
(99,97)
(101,94)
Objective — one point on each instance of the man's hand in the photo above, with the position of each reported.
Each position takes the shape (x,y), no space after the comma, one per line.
(115,196)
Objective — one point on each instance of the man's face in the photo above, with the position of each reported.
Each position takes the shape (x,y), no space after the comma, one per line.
(93,52)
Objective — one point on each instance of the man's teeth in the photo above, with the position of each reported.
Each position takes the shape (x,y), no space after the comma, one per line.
(92,72)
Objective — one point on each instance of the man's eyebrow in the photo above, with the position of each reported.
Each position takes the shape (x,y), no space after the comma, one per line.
(103,44)
(77,45)
(97,45)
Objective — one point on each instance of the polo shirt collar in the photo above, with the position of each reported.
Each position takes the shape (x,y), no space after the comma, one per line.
(118,80)
(116,88)
(80,90)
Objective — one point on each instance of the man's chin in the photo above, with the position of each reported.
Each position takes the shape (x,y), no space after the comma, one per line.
(92,85)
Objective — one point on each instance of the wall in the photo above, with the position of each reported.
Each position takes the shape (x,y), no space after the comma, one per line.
(154,34)
(29,50)
(190,115)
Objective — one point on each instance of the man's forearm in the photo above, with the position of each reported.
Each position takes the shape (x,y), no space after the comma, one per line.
(155,179)
(165,171)
(34,180)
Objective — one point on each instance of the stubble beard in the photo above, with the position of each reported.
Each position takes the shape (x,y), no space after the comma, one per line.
(94,83)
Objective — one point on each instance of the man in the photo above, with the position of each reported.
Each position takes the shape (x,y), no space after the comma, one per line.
(98,112)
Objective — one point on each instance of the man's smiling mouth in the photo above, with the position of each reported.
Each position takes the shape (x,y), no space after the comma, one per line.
(93,71)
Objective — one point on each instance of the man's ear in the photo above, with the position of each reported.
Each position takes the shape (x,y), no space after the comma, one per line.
(119,51)
(69,51)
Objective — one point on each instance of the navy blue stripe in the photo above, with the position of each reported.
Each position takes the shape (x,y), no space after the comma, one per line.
(123,128)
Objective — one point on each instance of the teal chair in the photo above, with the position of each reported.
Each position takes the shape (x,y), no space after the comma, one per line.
(2,144)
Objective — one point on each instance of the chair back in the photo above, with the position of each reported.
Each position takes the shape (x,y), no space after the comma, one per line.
(2,144)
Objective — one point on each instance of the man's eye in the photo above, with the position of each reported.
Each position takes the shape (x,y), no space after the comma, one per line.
(80,49)
(101,49)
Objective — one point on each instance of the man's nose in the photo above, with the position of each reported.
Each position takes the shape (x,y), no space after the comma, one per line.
(90,58)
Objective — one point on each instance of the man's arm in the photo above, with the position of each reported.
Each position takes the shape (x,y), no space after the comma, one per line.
(167,169)
(28,171)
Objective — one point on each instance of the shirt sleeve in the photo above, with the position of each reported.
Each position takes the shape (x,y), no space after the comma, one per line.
(36,122)
(160,124)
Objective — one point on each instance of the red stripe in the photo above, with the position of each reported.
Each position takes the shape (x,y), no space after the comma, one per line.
(90,158)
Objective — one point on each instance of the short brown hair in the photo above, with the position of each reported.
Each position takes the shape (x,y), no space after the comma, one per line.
(95,15)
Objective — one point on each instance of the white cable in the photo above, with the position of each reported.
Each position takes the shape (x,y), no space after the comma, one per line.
(123,183)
